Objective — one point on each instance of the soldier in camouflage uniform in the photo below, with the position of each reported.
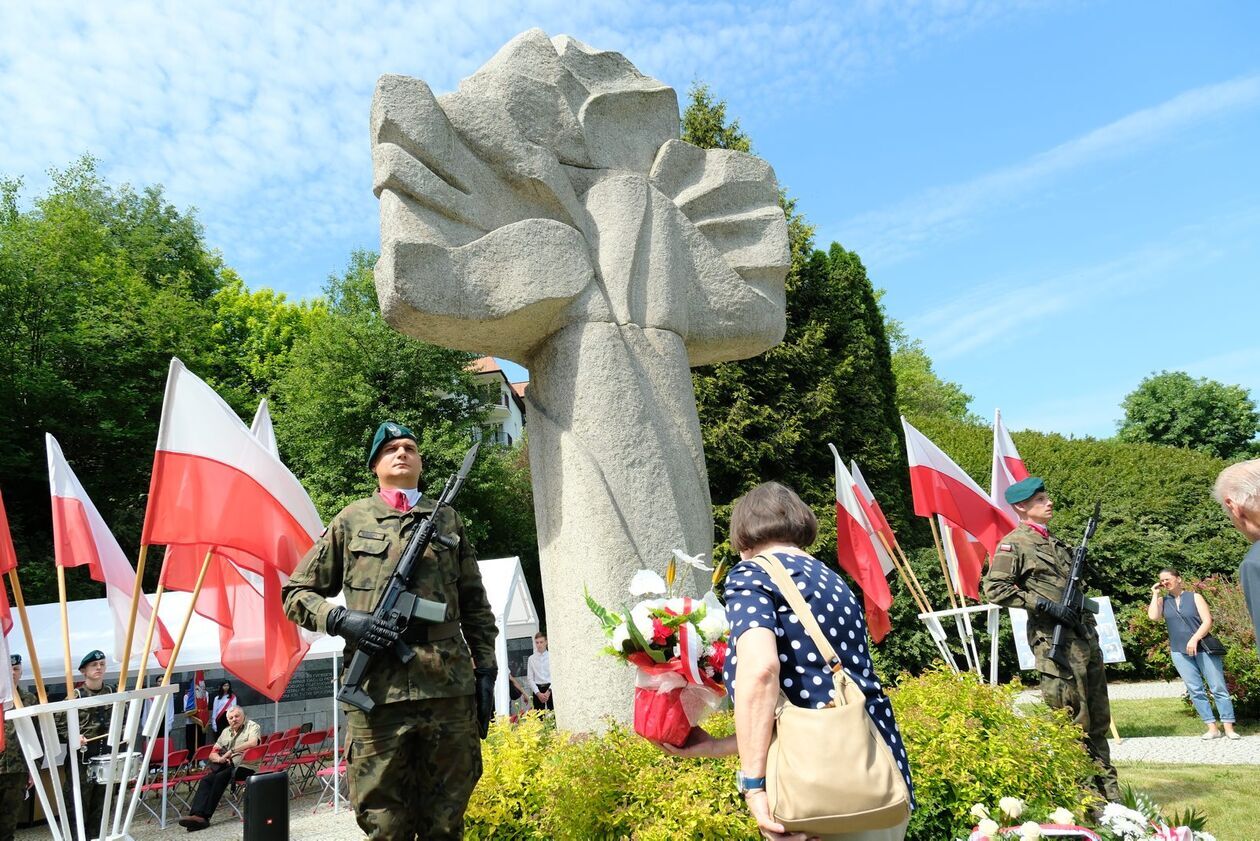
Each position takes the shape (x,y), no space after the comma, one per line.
(13,774)
(93,726)
(1030,570)
(415,759)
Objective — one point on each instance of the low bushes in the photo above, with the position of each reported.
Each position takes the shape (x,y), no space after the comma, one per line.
(966,743)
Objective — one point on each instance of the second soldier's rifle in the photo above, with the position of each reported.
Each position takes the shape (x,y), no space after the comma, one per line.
(397,605)
(1073,595)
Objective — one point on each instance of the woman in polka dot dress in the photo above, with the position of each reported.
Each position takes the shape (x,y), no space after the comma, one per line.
(773,653)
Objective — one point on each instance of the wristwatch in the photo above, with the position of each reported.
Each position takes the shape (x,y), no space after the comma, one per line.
(746,783)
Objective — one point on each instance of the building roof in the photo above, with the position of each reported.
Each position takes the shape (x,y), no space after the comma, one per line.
(519,388)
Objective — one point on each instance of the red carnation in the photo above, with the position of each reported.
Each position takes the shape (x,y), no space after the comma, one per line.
(718,658)
(660,633)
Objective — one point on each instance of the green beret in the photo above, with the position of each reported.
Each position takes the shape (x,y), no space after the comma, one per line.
(387,431)
(15,659)
(1024,489)
(91,657)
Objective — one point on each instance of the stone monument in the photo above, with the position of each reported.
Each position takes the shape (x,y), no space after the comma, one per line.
(546,212)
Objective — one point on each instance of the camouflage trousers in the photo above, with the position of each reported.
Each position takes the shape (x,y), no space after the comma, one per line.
(412,765)
(12,790)
(1082,692)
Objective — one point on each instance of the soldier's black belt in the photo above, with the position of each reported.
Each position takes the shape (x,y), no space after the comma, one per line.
(420,634)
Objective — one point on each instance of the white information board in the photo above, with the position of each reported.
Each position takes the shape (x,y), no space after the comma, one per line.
(1108,634)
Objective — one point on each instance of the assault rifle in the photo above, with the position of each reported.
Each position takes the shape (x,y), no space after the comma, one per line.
(1073,597)
(397,605)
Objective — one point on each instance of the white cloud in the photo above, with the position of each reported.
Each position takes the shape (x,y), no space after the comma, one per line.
(885,236)
(257,112)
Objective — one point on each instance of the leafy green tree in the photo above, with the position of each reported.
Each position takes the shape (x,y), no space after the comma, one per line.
(99,287)
(1173,408)
(704,123)
(921,392)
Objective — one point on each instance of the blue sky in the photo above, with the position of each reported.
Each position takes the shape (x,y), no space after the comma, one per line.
(1060,198)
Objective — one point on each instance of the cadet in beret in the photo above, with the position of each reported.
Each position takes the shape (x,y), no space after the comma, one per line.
(415,758)
(13,776)
(1030,570)
(93,727)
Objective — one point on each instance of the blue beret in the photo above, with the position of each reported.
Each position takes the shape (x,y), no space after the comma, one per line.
(387,431)
(1024,489)
(91,657)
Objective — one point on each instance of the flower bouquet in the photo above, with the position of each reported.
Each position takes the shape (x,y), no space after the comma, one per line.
(677,644)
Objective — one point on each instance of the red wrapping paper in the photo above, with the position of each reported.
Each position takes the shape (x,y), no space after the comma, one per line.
(660,717)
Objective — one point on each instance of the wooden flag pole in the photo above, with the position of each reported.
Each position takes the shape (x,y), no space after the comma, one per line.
(179,641)
(137,593)
(905,561)
(65,627)
(16,585)
(940,555)
(905,579)
(148,637)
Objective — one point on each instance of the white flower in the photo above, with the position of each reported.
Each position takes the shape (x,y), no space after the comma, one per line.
(692,560)
(1063,816)
(988,828)
(1012,807)
(1030,831)
(620,636)
(646,582)
(714,625)
(1204,836)
(979,812)
(641,616)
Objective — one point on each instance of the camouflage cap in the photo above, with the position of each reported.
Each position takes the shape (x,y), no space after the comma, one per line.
(1024,490)
(91,657)
(387,431)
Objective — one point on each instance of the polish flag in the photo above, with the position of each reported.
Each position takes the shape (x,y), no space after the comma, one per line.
(940,486)
(857,553)
(874,513)
(241,591)
(8,556)
(6,680)
(966,556)
(1008,467)
(215,484)
(81,538)
(197,701)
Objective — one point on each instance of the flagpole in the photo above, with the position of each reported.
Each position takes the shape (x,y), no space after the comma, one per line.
(179,640)
(940,556)
(905,561)
(16,584)
(148,637)
(905,579)
(137,593)
(65,627)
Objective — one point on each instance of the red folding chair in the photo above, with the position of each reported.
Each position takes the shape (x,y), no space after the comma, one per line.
(176,764)
(252,757)
(307,758)
(293,731)
(326,777)
(191,776)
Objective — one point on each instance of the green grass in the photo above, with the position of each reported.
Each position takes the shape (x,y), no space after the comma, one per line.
(1225,793)
(1164,717)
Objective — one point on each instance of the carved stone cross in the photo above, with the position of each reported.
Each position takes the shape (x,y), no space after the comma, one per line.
(546,212)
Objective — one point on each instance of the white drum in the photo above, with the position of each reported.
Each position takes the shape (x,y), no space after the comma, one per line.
(102,770)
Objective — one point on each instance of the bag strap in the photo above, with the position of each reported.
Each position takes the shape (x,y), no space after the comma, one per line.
(783,579)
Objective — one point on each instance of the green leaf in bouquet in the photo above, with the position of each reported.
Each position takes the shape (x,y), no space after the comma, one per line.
(606,618)
(656,655)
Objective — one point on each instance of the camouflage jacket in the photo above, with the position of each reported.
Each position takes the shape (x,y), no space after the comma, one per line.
(357,554)
(93,722)
(1026,567)
(11,761)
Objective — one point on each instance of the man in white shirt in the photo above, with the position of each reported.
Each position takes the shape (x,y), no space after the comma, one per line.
(538,674)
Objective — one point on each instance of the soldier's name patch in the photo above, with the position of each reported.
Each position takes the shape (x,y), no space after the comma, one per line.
(371,535)
(1006,547)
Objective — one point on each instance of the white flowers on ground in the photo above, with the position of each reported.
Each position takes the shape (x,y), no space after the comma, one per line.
(1030,831)
(1124,823)
(1012,807)
(979,812)
(647,583)
(988,828)
(1062,816)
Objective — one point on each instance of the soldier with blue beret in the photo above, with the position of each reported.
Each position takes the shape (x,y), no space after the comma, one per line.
(1030,570)
(416,757)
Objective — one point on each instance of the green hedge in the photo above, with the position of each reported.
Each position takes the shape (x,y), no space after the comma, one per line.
(965,740)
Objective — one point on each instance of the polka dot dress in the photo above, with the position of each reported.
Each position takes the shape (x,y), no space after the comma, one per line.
(754,601)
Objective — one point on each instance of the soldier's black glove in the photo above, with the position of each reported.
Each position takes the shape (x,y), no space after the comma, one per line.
(1062,615)
(485,698)
(361,630)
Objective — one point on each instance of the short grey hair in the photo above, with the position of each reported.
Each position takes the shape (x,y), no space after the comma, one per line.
(1241,483)
(235,707)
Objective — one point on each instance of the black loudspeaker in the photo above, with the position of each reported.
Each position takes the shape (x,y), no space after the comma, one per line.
(267,807)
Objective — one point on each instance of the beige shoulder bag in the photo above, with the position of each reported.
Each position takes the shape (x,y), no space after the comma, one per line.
(828,770)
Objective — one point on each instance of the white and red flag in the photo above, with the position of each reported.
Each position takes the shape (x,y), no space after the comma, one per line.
(197,701)
(81,538)
(967,556)
(255,534)
(858,555)
(1008,467)
(874,514)
(940,486)
(8,562)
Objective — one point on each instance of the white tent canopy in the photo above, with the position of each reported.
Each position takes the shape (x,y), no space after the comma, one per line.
(92,626)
